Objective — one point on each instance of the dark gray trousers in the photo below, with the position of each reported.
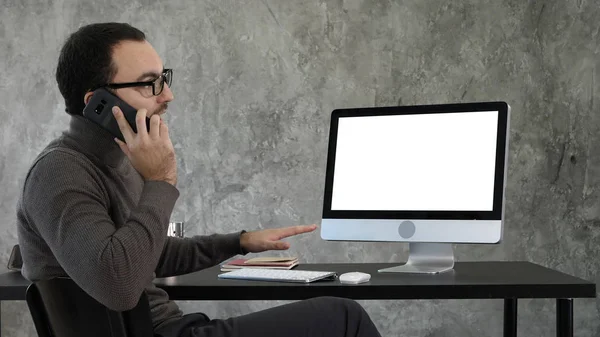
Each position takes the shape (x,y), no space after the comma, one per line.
(317,317)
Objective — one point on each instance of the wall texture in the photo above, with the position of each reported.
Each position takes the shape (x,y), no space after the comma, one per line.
(255,82)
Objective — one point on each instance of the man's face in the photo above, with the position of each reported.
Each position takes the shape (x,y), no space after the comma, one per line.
(138,62)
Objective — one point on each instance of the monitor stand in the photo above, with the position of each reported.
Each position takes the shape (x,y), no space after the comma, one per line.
(426,258)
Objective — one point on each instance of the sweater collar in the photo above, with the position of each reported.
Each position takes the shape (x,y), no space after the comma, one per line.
(94,140)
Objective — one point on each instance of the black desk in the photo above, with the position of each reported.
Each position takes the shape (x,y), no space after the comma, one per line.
(469,280)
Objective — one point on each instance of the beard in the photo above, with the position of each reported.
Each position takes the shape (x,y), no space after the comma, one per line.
(160,109)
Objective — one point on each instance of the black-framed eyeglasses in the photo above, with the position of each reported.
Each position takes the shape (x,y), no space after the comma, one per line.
(157,85)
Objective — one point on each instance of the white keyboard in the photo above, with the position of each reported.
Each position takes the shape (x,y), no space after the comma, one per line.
(280,275)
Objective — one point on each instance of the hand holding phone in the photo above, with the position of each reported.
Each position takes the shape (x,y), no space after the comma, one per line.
(151,152)
(98,110)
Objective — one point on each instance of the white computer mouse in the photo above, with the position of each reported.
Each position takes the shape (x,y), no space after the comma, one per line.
(354,277)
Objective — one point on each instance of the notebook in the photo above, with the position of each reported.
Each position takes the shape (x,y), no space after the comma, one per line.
(261,263)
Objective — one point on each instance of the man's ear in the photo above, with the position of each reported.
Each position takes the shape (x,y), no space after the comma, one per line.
(87,97)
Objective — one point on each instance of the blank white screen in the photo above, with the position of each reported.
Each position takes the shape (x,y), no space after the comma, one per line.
(421,162)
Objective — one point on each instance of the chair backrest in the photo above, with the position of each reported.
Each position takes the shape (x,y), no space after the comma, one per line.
(60,308)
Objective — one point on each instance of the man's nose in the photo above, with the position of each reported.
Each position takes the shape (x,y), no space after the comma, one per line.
(166,95)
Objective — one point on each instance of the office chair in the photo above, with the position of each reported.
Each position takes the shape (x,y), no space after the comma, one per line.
(60,308)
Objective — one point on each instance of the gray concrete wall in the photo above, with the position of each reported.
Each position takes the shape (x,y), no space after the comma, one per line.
(255,82)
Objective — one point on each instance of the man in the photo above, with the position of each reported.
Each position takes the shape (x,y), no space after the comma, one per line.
(96,209)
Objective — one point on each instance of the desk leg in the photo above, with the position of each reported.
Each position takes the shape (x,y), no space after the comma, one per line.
(564,317)
(510,317)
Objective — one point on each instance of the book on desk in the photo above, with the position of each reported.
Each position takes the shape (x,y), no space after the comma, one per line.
(282,263)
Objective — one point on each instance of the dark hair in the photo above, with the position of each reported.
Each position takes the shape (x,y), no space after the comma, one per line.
(85,60)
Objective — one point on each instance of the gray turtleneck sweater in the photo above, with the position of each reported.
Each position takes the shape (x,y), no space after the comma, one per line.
(86,213)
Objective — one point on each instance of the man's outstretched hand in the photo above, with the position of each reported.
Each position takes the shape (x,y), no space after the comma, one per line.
(270,239)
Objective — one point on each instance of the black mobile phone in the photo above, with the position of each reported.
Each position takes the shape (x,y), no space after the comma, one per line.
(99,111)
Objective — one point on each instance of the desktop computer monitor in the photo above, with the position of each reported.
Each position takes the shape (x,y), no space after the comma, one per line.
(429,175)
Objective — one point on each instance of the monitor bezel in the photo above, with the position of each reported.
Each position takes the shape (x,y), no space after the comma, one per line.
(500,169)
